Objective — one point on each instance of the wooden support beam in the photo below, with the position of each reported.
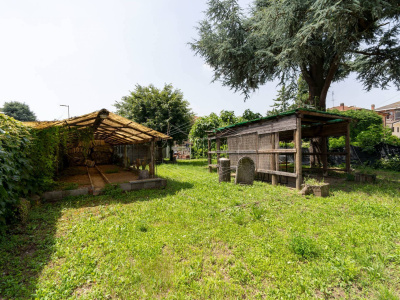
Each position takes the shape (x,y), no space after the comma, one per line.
(274,180)
(298,156)
(218,149)
(326,153)
(209,155)
(153,158)
(280,173)
(348,148)
(324,156)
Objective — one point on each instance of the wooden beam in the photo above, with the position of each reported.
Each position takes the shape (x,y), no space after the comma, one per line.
(298,156)
(268,151)
(274,179)
(209,154)
(321,115)
(348,148)
(324,156)
(218,149)
(153,156)
(280,173)
(326,153)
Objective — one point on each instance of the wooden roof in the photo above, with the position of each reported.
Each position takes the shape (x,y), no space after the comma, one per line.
(107,126)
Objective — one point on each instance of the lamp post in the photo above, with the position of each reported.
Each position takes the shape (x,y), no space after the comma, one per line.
(68,108)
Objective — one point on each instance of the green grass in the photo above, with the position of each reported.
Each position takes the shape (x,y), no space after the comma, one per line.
(199,239)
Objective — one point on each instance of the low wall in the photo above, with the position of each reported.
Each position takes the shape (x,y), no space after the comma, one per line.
(145,184)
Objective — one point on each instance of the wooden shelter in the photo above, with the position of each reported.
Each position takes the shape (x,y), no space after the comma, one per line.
(110,128)
(259,139)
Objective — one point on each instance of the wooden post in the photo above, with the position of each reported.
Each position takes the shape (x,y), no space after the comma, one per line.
(218,149)
(209,155)
(277,165)
(125,158)
(298,156)
(274,177)
(152,155)
(324,156)
(348,148)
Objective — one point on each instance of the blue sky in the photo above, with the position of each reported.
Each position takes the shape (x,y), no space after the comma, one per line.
(88,54)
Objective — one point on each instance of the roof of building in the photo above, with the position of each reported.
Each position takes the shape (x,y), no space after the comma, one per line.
(345,108)
(389,106)
(316,113)
(107,126)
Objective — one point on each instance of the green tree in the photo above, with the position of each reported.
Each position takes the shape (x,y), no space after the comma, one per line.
(227,117)
(199,132)
(249,115)
(283,102)
(323,40)
(162,110)
(19,111)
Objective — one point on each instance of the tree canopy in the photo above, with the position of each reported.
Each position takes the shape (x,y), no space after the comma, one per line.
(163,110)
(19,111)
(323,40)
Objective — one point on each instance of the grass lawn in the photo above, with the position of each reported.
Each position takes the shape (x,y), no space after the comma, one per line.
(199,239)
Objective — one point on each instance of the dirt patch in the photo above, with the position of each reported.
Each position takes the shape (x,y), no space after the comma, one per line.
(117,174)
(76,175)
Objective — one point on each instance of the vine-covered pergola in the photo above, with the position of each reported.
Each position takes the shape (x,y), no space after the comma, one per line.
(259,139)
(111,128)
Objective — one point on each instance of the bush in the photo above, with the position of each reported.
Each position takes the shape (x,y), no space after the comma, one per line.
(28,161)
(303,246)
(15,166)
(389,163)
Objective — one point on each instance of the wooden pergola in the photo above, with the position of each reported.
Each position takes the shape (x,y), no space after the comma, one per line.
(111,128)
(259,139)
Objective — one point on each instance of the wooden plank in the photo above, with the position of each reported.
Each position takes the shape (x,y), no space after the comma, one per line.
(102,175)
(298,159)
(268,126)
(90,178)
(269,151)
(328,169)
(326,153)
(274,179)
(321,115)
(280,173)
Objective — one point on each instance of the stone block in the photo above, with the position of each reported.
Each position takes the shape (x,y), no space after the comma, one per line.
(144,174)
(136,185)
(53,195)
(77,192)
(149,184)
(245,171)
(125,186)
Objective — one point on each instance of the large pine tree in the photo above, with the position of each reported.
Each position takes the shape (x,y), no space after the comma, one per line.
(323,40)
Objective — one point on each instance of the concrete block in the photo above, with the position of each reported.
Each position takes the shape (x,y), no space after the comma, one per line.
(136,185)
(77,192)
(53,195)
(149,184)
(125,186)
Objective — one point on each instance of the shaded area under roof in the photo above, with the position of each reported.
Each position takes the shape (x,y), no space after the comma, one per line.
(317,115)
(107,126)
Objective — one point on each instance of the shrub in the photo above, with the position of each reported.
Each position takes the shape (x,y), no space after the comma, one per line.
(389,163)
(303,246)
(15,166)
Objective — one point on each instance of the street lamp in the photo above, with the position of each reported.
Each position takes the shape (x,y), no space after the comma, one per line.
(66,106)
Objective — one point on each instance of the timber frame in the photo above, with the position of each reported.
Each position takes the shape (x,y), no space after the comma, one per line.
(111,128)
(259,139)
